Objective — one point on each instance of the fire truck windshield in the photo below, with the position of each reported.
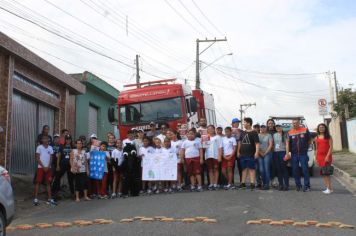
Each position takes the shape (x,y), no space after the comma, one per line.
(166,109)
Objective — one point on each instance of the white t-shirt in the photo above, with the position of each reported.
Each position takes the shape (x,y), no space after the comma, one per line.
(191,148)
(178,146)
(144,151)
(45,155)
(158,150)
(212,150)
(228,145)
(117,156)
(126,141)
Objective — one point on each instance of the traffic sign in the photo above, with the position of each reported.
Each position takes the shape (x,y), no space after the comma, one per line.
(323,107)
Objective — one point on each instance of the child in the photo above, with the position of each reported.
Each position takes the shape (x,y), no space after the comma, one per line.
(117,157)
(177,144)
(44,155)
(169,152)
(130,138)
(111,147)
(229,151)
(142,153)
(213,154)
(158,149)
(102,185)
(192,153)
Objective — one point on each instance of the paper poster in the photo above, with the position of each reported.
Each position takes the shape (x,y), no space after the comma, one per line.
(159,166)
(97,164)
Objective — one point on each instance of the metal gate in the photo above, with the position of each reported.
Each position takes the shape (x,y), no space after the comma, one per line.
(28,117)
(92,120)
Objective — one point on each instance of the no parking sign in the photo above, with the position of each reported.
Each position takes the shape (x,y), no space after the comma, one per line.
(323,107)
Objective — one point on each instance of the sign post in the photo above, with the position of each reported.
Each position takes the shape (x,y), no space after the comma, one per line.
(323,107)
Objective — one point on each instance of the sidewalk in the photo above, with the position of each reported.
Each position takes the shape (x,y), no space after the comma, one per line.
(345,169)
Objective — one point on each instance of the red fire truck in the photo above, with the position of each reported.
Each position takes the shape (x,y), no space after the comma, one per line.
(162,101)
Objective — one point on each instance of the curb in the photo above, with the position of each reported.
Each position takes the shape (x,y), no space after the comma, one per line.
(345,179)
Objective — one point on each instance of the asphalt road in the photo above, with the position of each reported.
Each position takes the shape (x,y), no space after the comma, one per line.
(231,208)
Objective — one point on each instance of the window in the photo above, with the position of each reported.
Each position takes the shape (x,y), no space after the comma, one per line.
(167,109)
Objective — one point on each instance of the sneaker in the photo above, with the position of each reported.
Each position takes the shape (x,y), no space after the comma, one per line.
(200,189)
(252,187)
(52,202)
(103,197)
(142,192)
(211,187)
(266,187)
(298,188)
(149,191)
(113,195)
(157,191)
(227,187)
(216,187)
(232,187)
(259,186)
(242,186)
(165,190)
(306,189)
(170,190)
(119,194)
(280,188)
(192,188)
(36,202)
(179,189)
(285,188)
(327,191)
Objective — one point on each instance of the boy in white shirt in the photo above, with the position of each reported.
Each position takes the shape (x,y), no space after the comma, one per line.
(130,138)
(44,155)
(192,153)
(177,144)
(142,153)
(229,152)
(117,158)
(213,154)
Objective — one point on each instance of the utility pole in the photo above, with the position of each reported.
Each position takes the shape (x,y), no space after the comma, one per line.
(336,87)
(246,105)
(137,71)
(197,60)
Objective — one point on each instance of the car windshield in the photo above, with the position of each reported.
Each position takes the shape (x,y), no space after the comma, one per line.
(151,111)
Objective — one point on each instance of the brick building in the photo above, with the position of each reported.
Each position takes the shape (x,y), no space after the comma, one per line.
(33,93)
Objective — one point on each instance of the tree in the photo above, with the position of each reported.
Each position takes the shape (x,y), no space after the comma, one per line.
(346,98)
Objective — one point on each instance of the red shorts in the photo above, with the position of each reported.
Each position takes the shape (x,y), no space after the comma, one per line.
(193,166)
(227,163)
(42,175)
(179,167)
(212,163)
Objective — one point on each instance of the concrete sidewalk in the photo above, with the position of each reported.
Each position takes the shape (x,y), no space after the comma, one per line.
(345,169)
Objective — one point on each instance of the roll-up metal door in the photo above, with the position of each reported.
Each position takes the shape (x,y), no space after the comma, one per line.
(24,132)
(28,118)
(92,120)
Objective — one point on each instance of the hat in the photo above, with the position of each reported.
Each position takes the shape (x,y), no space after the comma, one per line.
(152,123)
(140,130)
(67,137)
(134,129)
(278,124)
(263,125)
(93,136)
(235,120)
(56,135)
(219,127)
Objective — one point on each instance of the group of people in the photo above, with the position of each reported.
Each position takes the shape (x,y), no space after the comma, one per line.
(206,156)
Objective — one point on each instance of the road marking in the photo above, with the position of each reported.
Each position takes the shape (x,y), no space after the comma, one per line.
(312,222)
(43,225)
(24,227)
(62,224)
(126,220)
(300,224)
(148,219)
(265,221)
(254,222)
(167,219)
(210,221)
(288,222)
(343,226)
(276,223)
(323,225)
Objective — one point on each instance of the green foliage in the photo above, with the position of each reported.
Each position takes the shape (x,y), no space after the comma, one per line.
(346,97)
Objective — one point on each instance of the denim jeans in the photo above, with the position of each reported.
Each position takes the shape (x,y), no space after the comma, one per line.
(281,166)
(264,164)
(303,160)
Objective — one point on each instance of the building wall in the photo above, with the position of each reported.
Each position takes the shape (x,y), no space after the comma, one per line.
(351,134)
(100,100)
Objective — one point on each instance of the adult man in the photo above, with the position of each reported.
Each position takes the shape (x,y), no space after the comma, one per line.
(247,152)
(152,132)
(297,144)
(162,135)
(236,133)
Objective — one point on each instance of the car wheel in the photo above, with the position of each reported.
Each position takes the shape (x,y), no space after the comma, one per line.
(2,225)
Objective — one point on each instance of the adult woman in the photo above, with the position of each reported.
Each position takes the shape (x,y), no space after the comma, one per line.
(264,162)
(271,129)
(79,168)
(279,153)
(324,148)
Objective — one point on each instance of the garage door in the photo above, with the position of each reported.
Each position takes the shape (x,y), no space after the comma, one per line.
(28,117)
(92,120)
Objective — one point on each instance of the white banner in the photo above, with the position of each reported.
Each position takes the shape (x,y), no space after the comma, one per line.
(159,166)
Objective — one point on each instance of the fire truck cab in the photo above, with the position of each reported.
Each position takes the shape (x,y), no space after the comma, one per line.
(162,101)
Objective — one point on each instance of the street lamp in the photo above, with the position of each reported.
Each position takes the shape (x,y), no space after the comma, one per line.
(207,65)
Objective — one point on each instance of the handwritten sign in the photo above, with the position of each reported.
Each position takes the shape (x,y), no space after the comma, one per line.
(159,166)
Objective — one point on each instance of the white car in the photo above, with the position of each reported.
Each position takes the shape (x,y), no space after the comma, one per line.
(7,203)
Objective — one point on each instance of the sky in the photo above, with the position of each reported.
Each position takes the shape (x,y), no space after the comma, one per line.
(281,49)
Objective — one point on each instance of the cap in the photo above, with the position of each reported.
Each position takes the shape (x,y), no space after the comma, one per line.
(278,124)
(93,136)
(235,120)
(152,123)
(263,125)
(67,137)
(219,127)
(56,135)
(140,130)
(134,129)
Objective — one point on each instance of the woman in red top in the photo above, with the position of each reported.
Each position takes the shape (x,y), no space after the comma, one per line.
(324,148)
